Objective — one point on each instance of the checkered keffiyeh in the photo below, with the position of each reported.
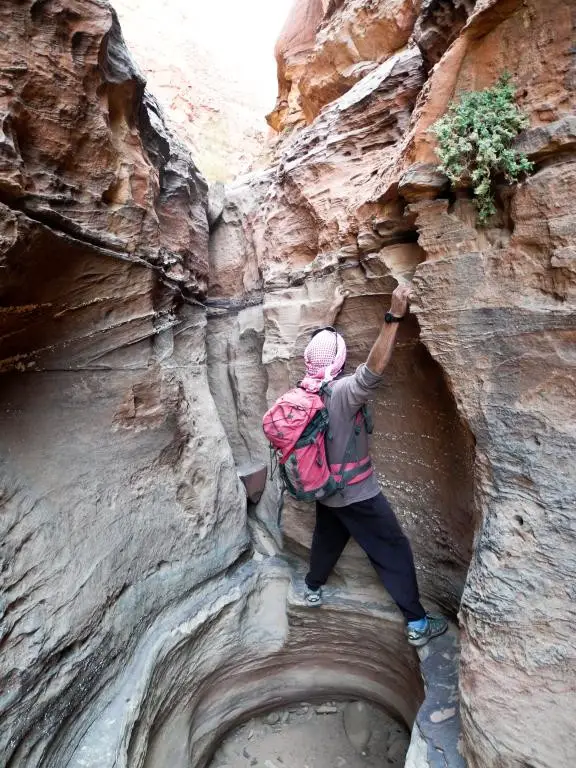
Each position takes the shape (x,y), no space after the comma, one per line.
(324,356)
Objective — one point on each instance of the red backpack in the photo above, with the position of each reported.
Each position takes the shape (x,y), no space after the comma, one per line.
(297,427)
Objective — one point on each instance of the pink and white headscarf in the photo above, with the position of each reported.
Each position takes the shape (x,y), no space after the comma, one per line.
(325,357)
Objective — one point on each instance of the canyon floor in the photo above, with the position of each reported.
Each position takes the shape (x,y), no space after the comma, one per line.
(314,736)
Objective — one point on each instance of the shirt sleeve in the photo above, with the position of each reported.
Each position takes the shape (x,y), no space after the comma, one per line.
(354,391)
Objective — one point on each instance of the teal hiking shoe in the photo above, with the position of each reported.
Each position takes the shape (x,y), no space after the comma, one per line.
(313,597)
(435,626)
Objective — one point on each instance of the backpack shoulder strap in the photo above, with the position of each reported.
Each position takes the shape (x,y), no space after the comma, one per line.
(326,393)
(366,415)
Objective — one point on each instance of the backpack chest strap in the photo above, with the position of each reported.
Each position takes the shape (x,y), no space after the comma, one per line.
(352,472)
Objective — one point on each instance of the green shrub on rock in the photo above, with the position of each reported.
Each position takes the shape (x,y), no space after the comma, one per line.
(475,141)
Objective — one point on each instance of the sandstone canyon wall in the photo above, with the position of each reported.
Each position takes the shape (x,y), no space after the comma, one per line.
(478,415)
(146,607)
(109,515)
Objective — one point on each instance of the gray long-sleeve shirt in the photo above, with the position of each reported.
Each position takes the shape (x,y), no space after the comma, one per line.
(348,396)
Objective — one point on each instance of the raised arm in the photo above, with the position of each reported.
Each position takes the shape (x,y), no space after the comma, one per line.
(381,351)
(340,295)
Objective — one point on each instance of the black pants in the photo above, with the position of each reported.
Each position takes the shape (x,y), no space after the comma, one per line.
(373,525)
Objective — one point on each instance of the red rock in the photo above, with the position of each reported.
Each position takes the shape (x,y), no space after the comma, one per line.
(494,308)
(294,43)
(439,23)
(86,152)
(540,33)
(326,48)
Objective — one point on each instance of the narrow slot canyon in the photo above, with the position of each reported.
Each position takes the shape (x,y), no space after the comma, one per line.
(164,258)
(423,452)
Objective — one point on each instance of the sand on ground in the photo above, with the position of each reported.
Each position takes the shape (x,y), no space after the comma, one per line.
(315,736)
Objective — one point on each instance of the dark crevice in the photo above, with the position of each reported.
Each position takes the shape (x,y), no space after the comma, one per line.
(440,22)
(235,304)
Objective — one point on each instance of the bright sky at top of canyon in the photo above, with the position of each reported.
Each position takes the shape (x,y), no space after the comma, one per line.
(238,37)
(241,35)
(212,66)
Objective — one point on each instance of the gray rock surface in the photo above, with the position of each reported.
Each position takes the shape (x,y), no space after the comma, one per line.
(515,603)
(113,511)
(438,720)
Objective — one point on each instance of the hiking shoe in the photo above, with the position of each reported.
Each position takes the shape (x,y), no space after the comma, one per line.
(313,597)
(436,625)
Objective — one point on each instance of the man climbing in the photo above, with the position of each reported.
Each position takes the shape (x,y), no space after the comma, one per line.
(360,509)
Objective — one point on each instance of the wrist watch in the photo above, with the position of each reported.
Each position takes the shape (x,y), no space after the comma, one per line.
(390,318)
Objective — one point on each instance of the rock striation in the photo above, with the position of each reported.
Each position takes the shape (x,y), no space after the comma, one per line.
(144,612)
(147,605)
(83,150)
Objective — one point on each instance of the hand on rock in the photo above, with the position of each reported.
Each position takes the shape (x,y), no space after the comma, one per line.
(400,298)
(340,295)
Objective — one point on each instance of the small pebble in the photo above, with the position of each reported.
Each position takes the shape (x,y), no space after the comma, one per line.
(272,718)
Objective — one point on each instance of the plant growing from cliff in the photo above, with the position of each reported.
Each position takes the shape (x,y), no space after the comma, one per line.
(475,141)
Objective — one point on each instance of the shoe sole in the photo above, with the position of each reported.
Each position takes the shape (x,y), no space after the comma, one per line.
(425,640)
(315,604)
